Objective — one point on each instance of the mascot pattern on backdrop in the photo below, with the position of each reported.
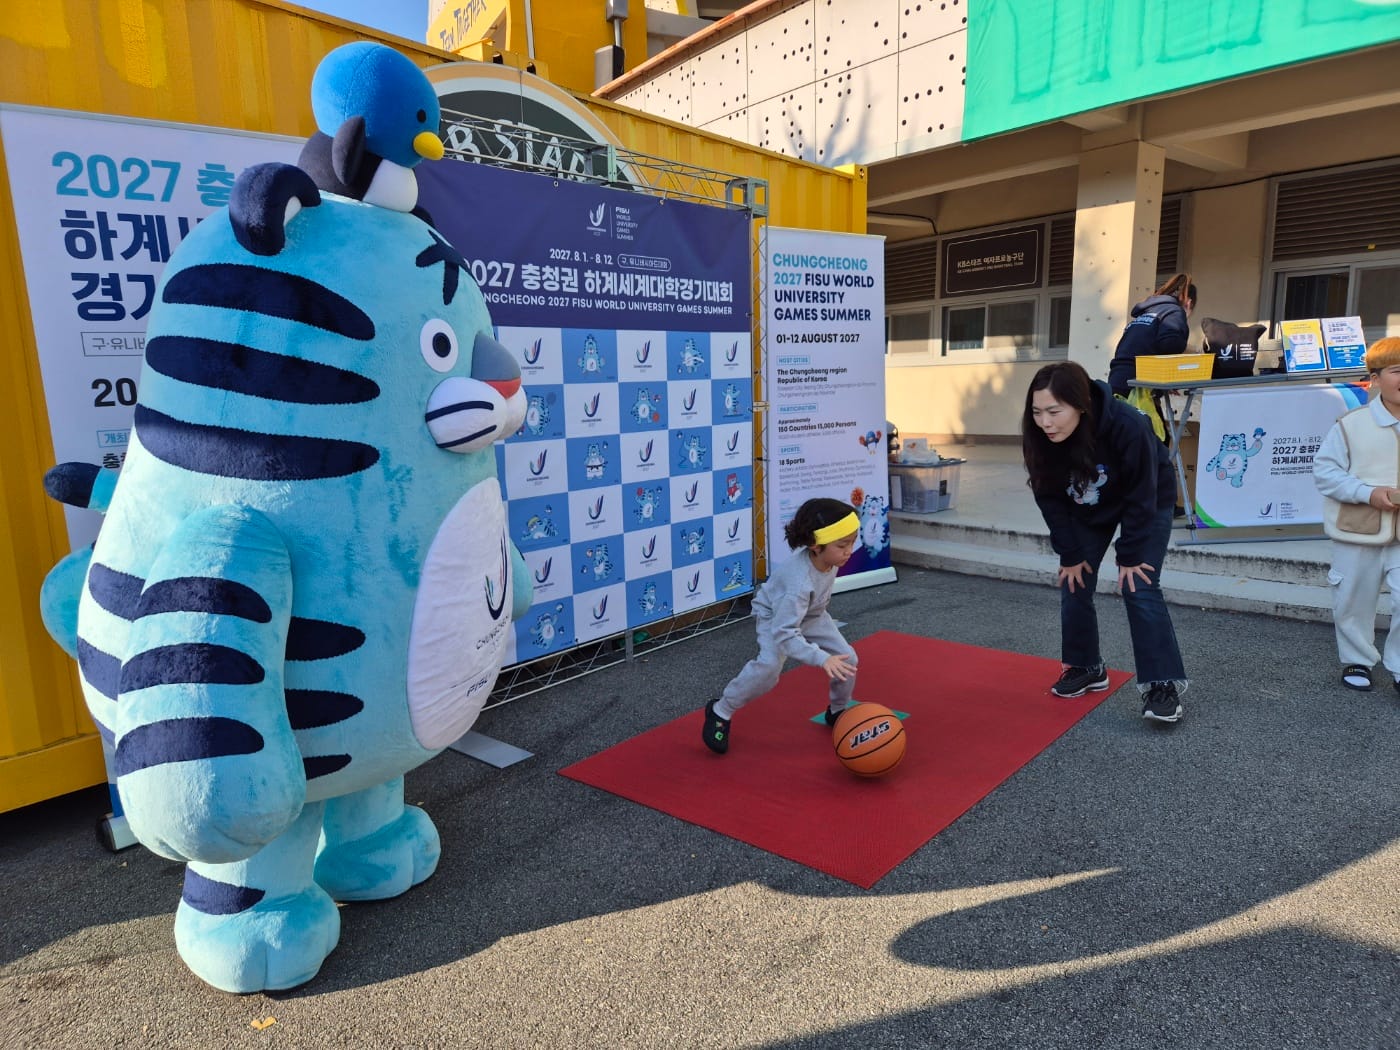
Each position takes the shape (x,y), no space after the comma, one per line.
(303,586)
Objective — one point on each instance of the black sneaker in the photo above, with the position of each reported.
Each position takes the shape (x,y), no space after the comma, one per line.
(1076,681)
(1160,703)
(716,731)
(832,716)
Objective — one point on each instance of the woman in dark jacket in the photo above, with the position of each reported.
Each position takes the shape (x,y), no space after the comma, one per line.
(1096,468)
(1160,325)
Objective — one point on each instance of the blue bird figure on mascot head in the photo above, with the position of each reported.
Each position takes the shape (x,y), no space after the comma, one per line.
(303,586)
(378,118)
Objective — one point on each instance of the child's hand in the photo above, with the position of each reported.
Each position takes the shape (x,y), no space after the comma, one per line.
(1384,498)
(838,667)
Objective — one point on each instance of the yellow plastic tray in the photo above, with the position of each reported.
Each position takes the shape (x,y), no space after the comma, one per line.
(1172,368)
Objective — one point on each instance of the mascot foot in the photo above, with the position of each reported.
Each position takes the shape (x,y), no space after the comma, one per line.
(382,864)
(277,943)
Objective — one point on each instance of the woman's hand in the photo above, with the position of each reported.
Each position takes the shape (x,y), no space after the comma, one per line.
(1073,575)
(838,667)
(1129,575)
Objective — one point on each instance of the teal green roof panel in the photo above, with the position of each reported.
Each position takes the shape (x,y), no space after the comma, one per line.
(1032,61)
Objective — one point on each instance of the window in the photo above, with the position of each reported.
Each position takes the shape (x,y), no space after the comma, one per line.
(1007,330)
(908,333)
(1308,295)
(1378,301)
(964,327)
(1059,322)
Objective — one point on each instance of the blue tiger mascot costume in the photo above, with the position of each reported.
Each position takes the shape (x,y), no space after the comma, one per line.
(303,586)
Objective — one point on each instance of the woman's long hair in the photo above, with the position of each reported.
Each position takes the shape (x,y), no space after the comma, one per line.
(1180,288)
(1050,466)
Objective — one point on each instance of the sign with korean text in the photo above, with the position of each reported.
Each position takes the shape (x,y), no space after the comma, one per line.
(1302,346)
(629,487)
(824,380)
(1345,342)
(993,262)
(101,204)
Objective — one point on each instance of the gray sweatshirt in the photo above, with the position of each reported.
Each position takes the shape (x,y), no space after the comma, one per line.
(792,599)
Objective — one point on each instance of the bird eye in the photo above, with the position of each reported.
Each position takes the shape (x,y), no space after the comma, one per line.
(422,116)
(438,342)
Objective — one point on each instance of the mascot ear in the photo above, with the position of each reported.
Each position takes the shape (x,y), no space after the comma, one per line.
(348,150)
(264,199)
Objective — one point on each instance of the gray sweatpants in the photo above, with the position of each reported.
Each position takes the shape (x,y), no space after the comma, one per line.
(1355,576)
(761,673)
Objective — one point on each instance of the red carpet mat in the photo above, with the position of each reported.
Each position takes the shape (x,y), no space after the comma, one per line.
(975,716)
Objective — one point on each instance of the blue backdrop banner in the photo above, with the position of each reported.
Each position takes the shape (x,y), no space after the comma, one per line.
(630,485)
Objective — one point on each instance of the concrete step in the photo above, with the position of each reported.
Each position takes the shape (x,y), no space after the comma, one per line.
(1305,561)
(1199,577)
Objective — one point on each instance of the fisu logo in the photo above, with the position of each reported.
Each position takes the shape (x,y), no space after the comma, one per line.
(596,511)
(644,453)
(590,407)
(595,216)
(733,441)
(732,354)
(691,493)
(644,352)
(532,352)
(693,584)
(537,466)
(734,529)
(542,573)
(649,548)
(689,400)
(600,610)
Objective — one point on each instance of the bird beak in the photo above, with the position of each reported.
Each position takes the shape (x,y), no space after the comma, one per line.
(427,145)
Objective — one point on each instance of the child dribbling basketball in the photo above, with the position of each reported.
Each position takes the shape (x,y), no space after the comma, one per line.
(792,622)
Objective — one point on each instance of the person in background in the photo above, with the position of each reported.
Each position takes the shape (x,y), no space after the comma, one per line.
(1096,468)
(1356,468)
(1160,325)
(790,616)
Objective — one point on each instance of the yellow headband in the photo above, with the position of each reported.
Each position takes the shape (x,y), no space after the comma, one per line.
(847,525)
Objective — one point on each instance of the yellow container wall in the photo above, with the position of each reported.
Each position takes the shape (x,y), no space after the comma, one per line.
(242,64)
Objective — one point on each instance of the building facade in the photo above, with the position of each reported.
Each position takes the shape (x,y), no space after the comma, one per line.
(1037,168)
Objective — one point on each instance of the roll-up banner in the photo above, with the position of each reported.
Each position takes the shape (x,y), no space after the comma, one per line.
(824,382)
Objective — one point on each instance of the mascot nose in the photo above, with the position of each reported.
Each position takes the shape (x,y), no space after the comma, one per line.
(493,365)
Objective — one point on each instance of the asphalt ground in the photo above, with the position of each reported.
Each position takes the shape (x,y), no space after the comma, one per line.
(1233,881)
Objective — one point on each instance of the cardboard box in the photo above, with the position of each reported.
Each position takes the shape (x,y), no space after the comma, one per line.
(1175,368)
(925,489)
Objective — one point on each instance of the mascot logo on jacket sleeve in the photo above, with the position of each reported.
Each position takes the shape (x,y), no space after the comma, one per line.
(303,586)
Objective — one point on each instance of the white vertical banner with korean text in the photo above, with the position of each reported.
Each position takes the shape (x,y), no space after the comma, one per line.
(100,203)
(824,383)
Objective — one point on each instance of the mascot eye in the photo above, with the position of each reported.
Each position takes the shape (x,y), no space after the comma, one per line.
(422,116)
(438,342)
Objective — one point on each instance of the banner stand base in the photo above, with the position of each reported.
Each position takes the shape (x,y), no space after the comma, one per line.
(489,750)
(857,580)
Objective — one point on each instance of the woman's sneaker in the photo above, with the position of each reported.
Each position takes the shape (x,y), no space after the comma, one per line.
(1076,681)
(1160,703)
(716,731)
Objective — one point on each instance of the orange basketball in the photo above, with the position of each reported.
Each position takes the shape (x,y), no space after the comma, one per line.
(869,739)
